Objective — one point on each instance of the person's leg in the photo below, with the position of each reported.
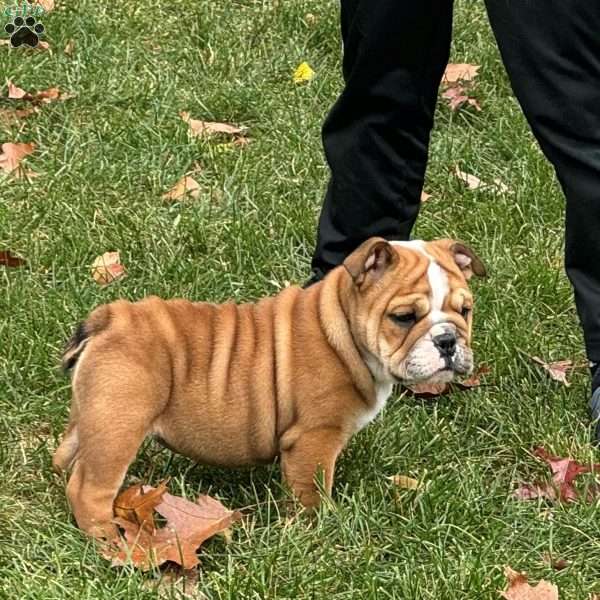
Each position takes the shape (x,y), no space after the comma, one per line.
(377,134)
(551,50)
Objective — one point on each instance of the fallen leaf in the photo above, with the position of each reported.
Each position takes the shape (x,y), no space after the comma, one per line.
(188,525)
(186,185)
(404,482)
(43,46)
(557,370)
(562,488)
(41,97)
(205,129)
(15,92)
(558,564)
(474,380)
(107,268)
(474,183)
(69,47)
(137,506)
(457,96)
(11,157)
(8,259)
(47,5)
(310,19)
(519,589)
(434,390)
(10,116)
(303,73)
(175,582)
(459,72)
(425,196)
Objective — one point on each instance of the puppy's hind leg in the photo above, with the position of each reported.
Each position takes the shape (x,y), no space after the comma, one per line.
(113,421)
(65,453)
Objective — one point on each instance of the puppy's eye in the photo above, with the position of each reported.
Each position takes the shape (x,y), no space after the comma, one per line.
(465,312)
(406,319)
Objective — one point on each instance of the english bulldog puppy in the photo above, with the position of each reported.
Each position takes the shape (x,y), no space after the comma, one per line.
(294,375)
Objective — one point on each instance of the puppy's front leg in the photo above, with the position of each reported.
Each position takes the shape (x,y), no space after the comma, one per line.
(300,459)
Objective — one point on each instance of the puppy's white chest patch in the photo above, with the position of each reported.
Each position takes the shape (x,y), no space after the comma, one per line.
(382,393)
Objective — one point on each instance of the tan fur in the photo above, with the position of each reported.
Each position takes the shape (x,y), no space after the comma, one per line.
(232,384)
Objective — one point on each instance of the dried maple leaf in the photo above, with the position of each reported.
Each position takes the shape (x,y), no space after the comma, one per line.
(557,370)
(188,525)
(457,96)
(519,589)
(459,72)
(474,380)
(303,73)
(11,157)
(8,259)
(205,129)
(137,506)
(185,186)
(562,488)
(425,197)
(107,268)
(404,482)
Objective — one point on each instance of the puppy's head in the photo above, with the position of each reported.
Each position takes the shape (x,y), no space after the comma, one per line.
(411,308)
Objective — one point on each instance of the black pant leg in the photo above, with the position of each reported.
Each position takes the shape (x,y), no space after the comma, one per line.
(551,49)
(377,134)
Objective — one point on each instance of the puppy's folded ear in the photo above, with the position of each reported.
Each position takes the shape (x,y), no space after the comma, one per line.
(370,261)
(469,263)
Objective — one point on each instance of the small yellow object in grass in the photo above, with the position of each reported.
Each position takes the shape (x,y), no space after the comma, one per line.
(405,482)
(107,268)
(303,73)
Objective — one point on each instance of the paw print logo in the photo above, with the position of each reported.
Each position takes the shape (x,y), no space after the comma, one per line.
(24,32)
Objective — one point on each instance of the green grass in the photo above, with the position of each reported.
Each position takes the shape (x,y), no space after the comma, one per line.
(106,156)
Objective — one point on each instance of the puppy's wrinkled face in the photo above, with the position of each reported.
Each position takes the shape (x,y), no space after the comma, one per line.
(412,308)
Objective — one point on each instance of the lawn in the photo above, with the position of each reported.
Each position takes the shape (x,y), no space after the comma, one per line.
(106,156)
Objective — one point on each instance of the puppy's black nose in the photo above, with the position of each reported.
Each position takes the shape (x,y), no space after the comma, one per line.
(445,343)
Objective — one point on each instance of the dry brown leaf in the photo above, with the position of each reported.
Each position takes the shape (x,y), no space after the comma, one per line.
(434,390)
(137,506)
(41,97)
(69,47)
(558,564)
(472,182)
(457,96)
(205,129)
(10,116)
(557,370)
(185,186)
(47,5)
(519,589)
(562,487)
(11,157)
(107,268)
(188,525)
(459,72)
(8,259)
(176,582)
(43,46)
(425,196)
(404,482)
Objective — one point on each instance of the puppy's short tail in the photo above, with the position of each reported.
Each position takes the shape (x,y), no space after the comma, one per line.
(96,322)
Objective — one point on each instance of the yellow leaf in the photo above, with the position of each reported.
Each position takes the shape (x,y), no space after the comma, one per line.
(303,73)
(405,482)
